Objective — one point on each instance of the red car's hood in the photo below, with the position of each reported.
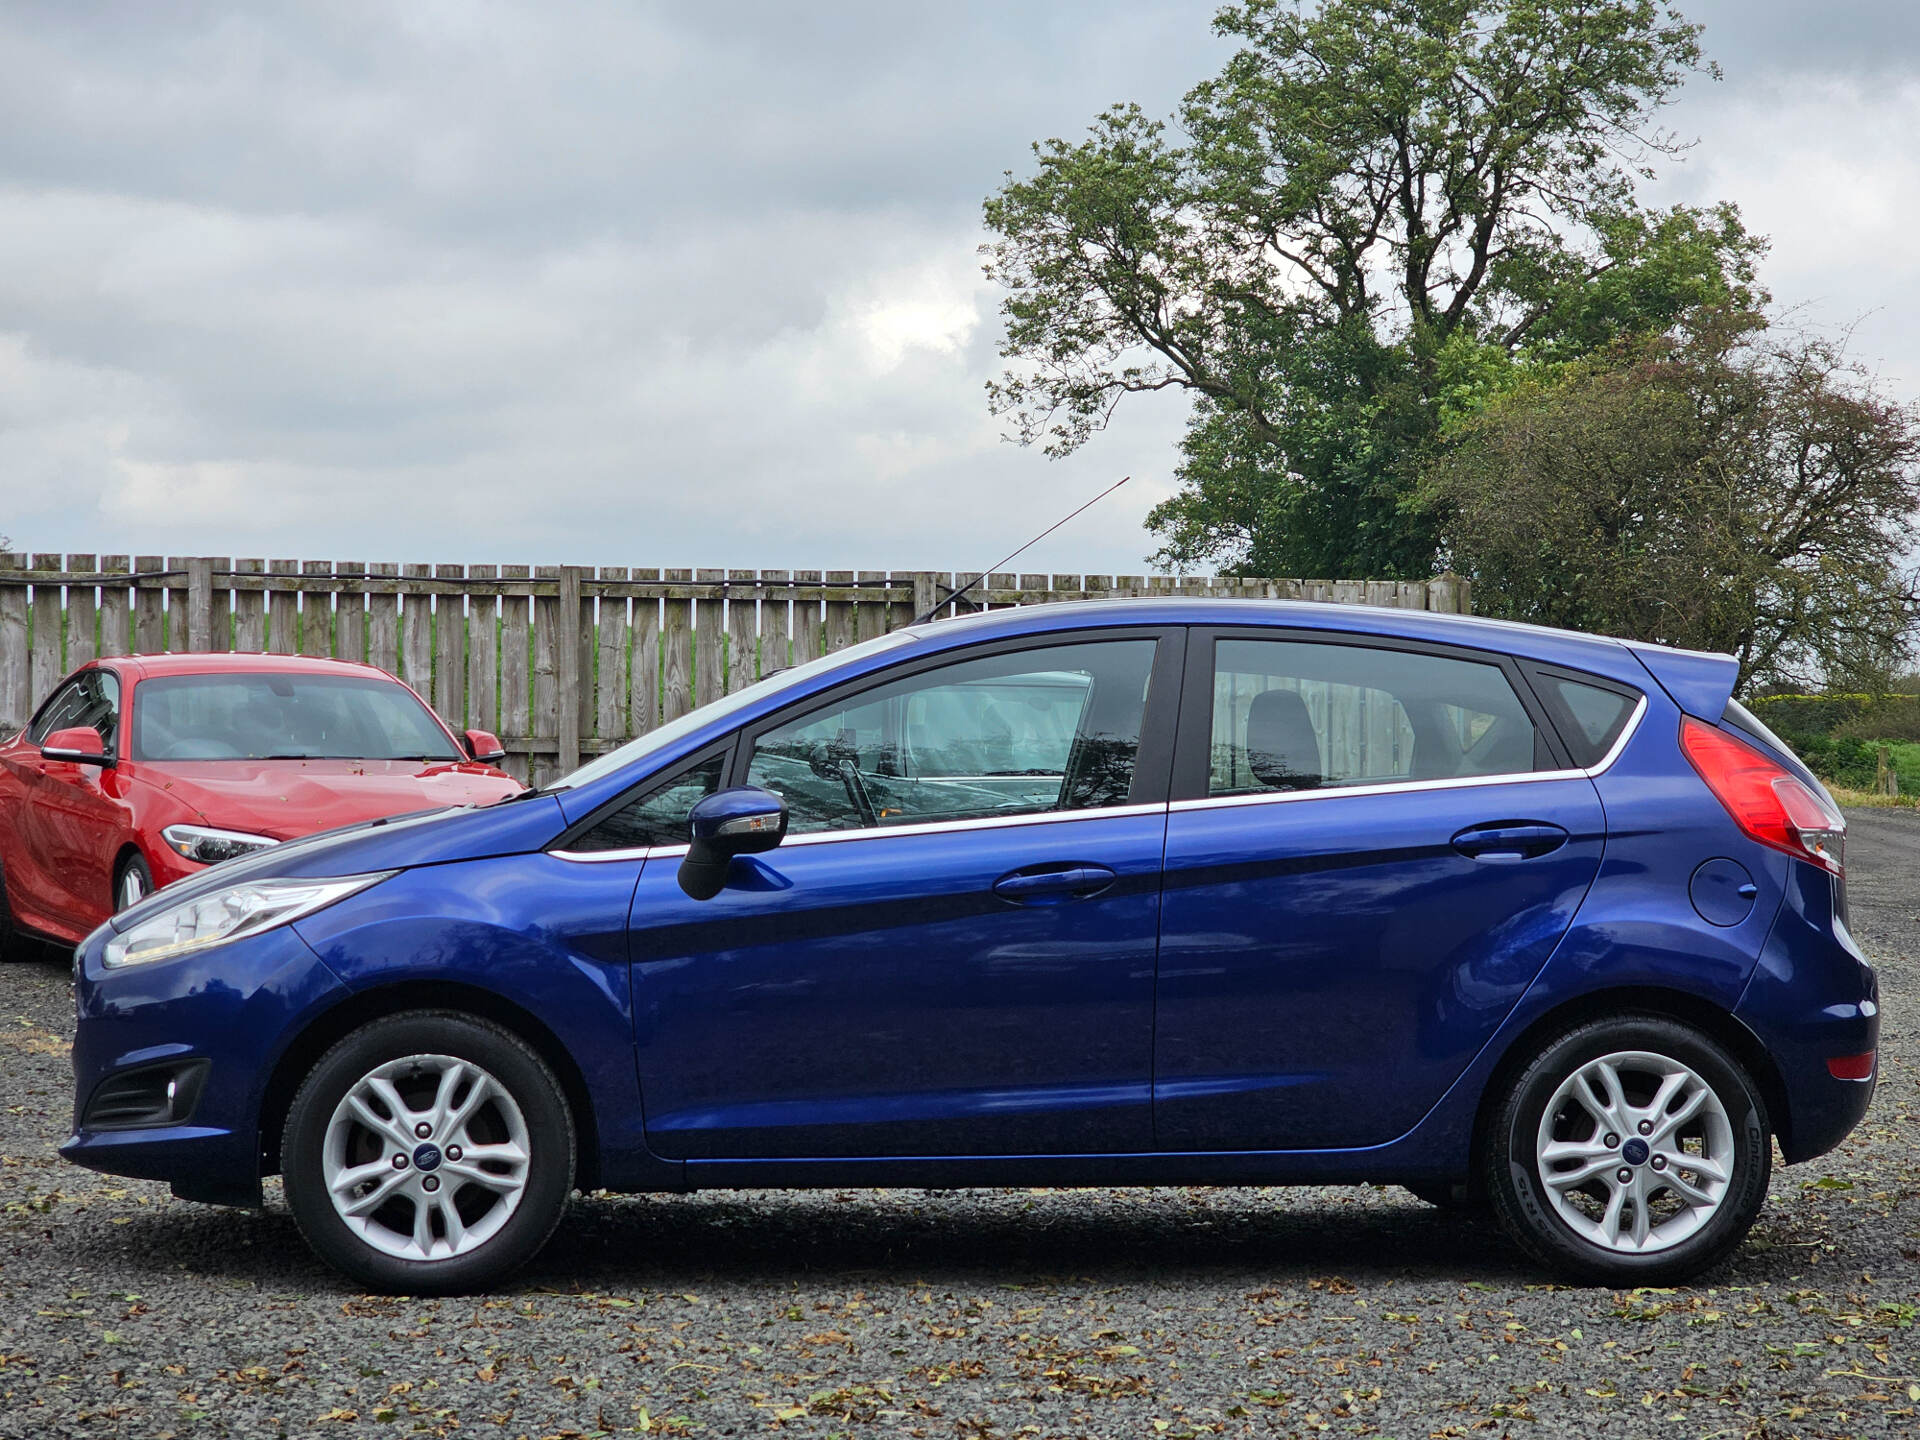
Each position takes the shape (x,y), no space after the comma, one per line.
(290,798)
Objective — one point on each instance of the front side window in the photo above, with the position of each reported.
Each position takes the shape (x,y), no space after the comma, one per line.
(91,698)
(660,815)
(1021,733)
(284,717)
(1303,715)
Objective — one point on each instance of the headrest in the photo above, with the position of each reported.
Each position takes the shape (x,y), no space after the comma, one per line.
(1283,752)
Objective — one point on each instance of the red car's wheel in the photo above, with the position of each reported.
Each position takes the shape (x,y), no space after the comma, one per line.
(132,883)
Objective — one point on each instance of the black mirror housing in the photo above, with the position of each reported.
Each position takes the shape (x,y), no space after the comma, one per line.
(746,820)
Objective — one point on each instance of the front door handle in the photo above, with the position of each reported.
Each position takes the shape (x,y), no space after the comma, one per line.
(1053,884)
(1510,840)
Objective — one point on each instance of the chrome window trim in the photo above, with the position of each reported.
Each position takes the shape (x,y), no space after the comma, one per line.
(1211,802)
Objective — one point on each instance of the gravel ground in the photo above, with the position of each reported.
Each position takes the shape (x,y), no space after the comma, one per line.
(975,1313)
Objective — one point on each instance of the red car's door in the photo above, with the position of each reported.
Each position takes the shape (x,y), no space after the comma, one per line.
(60,871)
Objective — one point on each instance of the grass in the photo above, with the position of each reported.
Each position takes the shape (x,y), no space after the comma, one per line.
(1867,800)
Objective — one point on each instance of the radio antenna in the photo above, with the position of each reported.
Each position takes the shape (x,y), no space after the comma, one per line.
(953,595)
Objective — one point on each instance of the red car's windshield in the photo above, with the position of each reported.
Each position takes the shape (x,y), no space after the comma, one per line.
(283,717)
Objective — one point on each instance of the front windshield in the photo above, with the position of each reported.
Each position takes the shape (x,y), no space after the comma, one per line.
(283,717)
(665,735)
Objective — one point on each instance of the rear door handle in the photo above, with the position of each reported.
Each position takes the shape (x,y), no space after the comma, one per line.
(1510,840)
(1050,886)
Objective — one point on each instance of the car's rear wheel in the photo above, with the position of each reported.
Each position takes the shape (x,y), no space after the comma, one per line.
(429,1152)
(1631,1151)
(132,883)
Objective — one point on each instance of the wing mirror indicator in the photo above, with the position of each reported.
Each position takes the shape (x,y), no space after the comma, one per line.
(743,821)
(80,745)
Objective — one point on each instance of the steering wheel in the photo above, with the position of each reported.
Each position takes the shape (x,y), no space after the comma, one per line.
(857,793)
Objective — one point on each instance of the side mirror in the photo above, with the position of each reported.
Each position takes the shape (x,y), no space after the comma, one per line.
(80,745)
(484,746)
(743,821)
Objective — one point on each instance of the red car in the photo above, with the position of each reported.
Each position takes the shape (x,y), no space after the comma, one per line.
(142,770)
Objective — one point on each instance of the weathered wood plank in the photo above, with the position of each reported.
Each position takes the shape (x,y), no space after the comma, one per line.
(116,607)
(416,635)
(546,673)
(839,614)
(644,710)
(220,605)
(179,628)
(610,693)
(349,612)
(148,619)
(808,623)
(709,652)
(316,613)
(483,652)
(775,652)
(250,610)
(82,616)
(743,631)
(870,617)
(383,624)
(199,604)
(450,648)
(283,608)
(677,662)
(16,691)
(568,680)
(516,645)
(48,664)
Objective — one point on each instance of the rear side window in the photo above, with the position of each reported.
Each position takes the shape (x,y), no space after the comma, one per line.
(1591,715)
(1305,715)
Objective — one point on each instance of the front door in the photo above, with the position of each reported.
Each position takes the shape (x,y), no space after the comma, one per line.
(1371,853)
(953,951)
(67,819)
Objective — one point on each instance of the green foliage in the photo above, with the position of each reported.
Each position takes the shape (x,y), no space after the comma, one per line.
(1380,215)
(1719,488)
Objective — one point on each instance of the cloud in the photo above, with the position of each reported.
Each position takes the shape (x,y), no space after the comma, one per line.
(657,284)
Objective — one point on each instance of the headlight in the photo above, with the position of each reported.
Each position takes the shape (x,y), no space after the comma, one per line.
(210,847)
(230,914)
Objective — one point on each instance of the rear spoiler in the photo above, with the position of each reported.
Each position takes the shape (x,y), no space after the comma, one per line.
(1700,681)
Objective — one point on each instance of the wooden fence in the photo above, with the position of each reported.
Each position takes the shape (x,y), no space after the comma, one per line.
(560,661)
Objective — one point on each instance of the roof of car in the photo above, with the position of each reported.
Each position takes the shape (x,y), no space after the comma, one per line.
(1469,630)
(236,664)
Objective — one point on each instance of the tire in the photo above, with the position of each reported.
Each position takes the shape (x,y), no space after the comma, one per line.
(132,873)
(1671,1218)
(483,1215)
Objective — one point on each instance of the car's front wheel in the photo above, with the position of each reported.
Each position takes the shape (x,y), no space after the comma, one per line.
(429,1152)
(1631,1151)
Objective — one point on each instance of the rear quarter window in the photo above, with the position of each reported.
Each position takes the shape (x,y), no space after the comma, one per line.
(1591,713)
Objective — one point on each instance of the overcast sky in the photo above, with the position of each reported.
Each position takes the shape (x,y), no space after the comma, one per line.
(674,284)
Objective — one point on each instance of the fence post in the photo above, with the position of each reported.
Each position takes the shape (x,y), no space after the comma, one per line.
(923,595)
(567,666)
(199,604)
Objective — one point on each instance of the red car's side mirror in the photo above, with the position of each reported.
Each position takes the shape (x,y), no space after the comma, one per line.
(79,745)
(484,746)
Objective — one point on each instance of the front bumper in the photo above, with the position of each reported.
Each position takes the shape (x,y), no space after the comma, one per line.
(1813,998)
(231,1007)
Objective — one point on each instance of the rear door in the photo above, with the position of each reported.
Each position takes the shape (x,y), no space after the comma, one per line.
(1373,848)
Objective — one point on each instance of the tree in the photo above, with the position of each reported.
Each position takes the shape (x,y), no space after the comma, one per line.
(1724,488)
(1372,201)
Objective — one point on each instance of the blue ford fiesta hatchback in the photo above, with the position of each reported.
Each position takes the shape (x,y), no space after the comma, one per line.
(1130,893)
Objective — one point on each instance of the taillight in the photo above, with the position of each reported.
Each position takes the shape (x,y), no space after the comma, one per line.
(1765,799)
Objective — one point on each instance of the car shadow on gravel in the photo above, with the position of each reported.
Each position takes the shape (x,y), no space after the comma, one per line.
(900,1237)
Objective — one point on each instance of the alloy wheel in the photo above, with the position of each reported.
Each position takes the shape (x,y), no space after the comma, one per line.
(1636,1152)
(426,1157)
